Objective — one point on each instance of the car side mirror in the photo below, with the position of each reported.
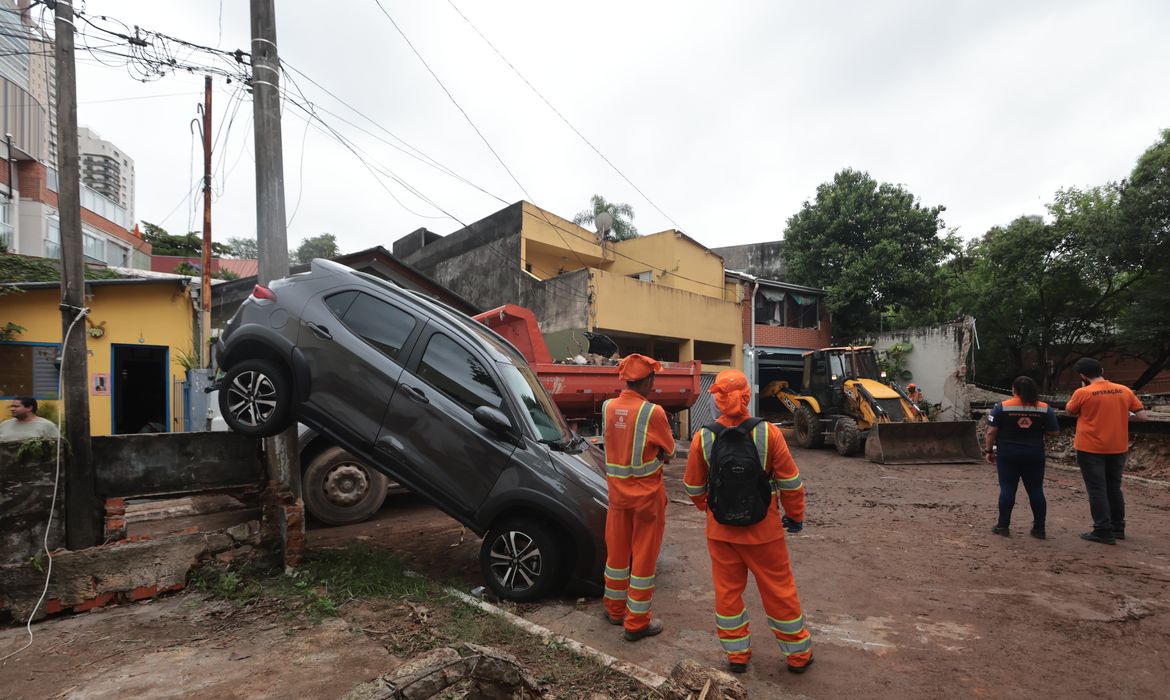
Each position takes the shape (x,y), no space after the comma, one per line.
(493,419)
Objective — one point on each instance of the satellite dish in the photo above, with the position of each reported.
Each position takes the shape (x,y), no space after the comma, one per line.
(603,221)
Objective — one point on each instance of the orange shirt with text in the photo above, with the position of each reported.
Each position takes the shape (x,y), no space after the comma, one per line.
(1102,410)
(620,416)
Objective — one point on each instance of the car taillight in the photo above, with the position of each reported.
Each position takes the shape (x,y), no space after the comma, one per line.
(262,292)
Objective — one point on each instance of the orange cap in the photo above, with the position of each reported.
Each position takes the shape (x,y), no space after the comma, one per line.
(729,380)
(732,393)
(637,367)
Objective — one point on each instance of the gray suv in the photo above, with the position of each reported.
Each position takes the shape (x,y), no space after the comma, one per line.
(435,401)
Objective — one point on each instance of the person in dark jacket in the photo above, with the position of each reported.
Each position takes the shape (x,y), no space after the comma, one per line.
(1016,428)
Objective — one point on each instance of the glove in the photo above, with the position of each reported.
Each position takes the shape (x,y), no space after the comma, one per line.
(792,526)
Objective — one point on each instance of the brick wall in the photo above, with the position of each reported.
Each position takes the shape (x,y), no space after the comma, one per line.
(784,336)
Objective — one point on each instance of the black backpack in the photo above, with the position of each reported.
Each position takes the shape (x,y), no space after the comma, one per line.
(739,491)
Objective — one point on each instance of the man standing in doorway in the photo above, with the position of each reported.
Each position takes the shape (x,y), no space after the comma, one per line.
(1103,410)
(25,423)
(638,441)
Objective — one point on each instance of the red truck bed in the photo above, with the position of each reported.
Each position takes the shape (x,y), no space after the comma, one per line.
(578,390)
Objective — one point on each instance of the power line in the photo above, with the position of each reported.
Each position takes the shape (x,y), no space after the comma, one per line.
(562,117)
(474,127)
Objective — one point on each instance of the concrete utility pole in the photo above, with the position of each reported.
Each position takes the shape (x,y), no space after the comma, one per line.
(284,472)
(82,515)
(205,289)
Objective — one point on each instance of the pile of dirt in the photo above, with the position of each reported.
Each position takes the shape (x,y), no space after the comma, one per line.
(1149,454)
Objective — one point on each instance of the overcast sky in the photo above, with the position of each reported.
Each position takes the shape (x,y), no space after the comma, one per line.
(727,115)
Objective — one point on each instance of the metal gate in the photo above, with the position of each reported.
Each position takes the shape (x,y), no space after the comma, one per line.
(704,410)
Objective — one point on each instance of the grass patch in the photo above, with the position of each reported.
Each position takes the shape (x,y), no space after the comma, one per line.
(407,614)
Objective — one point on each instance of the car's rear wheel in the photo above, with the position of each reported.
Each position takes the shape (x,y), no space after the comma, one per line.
(340,490)
(520,559)
(255,398)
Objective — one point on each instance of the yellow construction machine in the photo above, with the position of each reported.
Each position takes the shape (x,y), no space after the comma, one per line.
(848,399)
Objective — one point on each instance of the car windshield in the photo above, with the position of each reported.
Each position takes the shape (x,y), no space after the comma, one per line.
(542,413)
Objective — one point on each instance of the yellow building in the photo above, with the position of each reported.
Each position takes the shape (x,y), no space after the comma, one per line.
(136,332)
(663,295)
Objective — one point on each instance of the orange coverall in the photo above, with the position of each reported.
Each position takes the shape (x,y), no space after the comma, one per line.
(759,548)
(637,439)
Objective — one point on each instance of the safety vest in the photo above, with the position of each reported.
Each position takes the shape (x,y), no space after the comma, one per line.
(638,469)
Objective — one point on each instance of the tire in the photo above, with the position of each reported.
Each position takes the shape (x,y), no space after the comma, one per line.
(260,392)
(847,437)
(537,570)
(807,426)
(340,490)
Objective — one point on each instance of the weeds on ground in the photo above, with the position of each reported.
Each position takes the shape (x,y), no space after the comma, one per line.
(415,614)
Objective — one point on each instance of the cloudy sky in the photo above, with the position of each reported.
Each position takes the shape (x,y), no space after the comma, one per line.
(726,115)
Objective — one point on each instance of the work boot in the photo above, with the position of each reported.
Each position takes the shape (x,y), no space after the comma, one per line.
(655,627)
(1002,531)
(1037,531)
(800,669)
(1100,539)
(605,616)
(737,668)
(1119,534)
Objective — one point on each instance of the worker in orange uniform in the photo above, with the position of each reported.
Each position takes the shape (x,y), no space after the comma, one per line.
(638,441)
(736,469)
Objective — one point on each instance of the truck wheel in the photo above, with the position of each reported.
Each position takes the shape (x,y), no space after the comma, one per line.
(807,425)
(340,490)
(256,398)
(847,437)
(521,559)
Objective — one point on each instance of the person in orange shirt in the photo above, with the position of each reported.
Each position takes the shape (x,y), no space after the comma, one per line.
(1103,413)
(724,488)
(638,442)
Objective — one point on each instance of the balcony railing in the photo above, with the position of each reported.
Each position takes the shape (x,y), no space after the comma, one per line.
(96,202)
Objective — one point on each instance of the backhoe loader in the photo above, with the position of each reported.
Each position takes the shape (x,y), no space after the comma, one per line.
(847,399)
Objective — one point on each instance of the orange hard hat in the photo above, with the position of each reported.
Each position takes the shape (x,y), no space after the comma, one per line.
(637,367)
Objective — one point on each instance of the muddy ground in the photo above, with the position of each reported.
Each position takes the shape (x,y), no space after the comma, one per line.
(906,591)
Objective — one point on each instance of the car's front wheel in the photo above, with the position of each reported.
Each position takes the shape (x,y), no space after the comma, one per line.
(520,559)
(340,490)
(255,398)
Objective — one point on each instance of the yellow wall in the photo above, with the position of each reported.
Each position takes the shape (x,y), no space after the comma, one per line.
(549,243)
(631,306)
(134,314)
(687,265)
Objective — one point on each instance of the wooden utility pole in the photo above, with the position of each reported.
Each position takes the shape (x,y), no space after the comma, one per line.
(205,288)
(283,460)
(82,515)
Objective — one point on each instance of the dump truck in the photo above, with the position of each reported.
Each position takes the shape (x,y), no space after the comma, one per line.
(846,399)
(579,389)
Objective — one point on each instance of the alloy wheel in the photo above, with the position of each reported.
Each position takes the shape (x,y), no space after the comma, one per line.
(516,561)
(252,398)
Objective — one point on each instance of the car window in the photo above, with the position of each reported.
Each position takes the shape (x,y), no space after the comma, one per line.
(339,303)
(384,326)
(453,371)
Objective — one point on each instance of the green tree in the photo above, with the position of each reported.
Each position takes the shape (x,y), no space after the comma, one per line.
(243,248)
(623,218)
(322,246)
(189,245)
(871,245)
(1144,324)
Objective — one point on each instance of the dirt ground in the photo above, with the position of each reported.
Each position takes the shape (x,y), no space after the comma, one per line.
(906,591)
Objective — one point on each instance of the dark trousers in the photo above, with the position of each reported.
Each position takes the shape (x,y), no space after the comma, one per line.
(1012,468)
(1102,475)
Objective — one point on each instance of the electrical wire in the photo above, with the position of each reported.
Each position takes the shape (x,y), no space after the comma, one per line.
(81,313)
(562,117)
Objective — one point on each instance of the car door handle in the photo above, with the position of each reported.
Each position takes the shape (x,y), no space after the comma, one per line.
(320,331)
(416,394)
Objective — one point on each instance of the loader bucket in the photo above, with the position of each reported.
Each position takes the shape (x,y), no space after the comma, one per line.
(923,443)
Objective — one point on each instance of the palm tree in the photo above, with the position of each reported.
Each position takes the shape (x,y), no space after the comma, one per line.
(622,227)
